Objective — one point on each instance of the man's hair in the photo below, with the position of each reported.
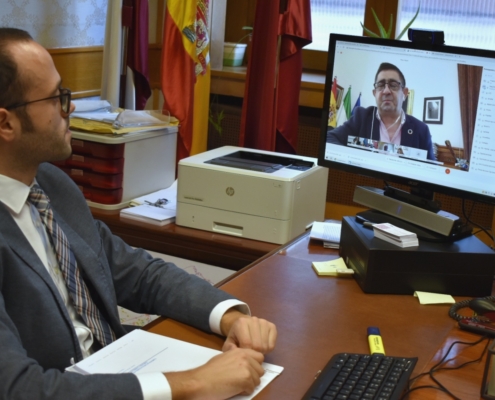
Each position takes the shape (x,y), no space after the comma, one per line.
(12,85)
(387,67)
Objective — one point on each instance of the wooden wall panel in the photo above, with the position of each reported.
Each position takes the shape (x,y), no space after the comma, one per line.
(80,69)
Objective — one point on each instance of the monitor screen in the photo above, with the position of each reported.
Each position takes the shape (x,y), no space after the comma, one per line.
(415,114)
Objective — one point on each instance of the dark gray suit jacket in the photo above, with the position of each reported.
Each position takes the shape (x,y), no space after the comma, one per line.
(37,339)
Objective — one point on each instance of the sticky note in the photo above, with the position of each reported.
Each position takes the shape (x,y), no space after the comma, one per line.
(434,298)
(329,268)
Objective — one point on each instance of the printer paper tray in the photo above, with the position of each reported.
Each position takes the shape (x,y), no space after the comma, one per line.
(233,223)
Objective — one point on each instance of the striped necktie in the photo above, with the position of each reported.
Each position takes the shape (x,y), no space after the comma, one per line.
(78,290)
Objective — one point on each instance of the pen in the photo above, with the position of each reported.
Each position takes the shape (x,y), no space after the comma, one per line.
(375,341)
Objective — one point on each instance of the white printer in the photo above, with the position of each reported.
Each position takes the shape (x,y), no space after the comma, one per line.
(253,194)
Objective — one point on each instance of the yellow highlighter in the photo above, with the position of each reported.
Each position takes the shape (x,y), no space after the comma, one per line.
(375,341)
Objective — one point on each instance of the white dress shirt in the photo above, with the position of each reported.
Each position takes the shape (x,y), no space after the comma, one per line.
(393,136)
(14,195)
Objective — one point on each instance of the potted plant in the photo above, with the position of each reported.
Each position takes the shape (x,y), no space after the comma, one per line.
(386,33)
(233,53)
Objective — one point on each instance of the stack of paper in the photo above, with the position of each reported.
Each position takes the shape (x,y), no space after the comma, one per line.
(329,232)
(393,234)
(158,208)
(141,352)
(150,214)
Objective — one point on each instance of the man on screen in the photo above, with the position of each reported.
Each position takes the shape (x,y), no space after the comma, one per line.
(386,122)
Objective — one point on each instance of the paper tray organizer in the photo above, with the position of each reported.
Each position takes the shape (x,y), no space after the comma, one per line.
(111,170)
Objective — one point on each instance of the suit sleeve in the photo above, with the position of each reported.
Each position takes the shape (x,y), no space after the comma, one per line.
(146,284)
(21,377)
(352,127)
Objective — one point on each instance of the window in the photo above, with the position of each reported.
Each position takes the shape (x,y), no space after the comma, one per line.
(335,16)
(464,23)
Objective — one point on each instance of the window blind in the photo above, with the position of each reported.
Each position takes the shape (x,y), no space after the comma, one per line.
(335,16)
(464,23)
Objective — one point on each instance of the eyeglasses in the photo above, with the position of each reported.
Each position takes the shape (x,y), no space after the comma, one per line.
(392,85)
(64,96)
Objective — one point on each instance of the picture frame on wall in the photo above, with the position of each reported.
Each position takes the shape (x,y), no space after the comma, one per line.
(433,110)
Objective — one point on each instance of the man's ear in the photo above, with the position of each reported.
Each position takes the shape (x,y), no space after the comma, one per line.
(7,125)
(406,92)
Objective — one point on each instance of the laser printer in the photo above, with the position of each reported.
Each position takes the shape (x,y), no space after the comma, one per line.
(267,196)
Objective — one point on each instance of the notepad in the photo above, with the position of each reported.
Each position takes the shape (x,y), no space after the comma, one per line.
(335,267)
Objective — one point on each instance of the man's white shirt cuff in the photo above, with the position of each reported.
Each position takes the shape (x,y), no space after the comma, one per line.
(221,308)
(155,386)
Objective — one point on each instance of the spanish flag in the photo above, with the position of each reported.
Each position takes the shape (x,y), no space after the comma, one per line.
(185,72)
(332,113)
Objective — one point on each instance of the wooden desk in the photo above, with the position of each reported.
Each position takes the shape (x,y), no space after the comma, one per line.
(207,247)
(319,316)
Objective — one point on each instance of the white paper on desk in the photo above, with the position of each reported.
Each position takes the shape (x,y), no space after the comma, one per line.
(149,213)
(169,193)
(142,352)
(326,231)
(91,105)
(100,116)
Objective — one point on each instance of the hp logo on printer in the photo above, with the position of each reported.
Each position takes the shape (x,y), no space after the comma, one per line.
(230,191)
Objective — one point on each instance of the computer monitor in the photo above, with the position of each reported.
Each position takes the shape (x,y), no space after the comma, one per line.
(446,142)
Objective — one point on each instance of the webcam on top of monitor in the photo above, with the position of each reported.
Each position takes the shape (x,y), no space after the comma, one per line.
(425,36)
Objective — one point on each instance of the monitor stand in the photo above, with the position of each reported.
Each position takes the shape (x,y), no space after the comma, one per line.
(428,225)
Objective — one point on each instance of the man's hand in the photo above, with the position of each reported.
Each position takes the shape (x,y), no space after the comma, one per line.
(247,332)
(228,374)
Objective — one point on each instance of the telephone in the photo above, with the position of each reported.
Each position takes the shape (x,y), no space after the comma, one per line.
(483,320)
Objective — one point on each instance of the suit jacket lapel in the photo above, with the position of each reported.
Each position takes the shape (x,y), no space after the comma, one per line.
(16,240)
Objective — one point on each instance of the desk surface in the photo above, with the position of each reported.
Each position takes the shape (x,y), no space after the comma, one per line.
(207,247)
(319,316)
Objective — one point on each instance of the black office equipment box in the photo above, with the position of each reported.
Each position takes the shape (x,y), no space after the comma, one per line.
(462,268)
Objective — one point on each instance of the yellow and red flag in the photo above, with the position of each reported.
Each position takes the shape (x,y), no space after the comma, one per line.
(332,113)
(185,72)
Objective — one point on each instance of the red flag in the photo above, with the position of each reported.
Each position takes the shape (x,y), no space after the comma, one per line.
(137,51)
(271,103)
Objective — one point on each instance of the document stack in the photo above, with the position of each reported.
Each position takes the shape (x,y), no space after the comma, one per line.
(158,208)
(328,232)
(398,236)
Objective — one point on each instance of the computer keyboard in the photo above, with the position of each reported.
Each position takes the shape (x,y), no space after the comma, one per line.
(362,376)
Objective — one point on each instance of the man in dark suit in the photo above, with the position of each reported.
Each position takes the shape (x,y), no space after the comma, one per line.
(386,122)
(44,326)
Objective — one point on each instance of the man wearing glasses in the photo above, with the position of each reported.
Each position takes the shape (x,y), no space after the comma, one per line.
(387,122)
(62,274)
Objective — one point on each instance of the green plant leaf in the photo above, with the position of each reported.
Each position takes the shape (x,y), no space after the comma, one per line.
(388,33)
(390,25)
(369,32)
(381,29)
(409,24)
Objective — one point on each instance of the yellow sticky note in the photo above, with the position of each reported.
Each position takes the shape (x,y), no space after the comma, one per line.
(433,298)
(329,268)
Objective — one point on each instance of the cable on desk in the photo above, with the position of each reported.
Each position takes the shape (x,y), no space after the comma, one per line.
(435,368)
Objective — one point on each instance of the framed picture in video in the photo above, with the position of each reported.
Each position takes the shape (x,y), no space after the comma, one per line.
(433,110)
